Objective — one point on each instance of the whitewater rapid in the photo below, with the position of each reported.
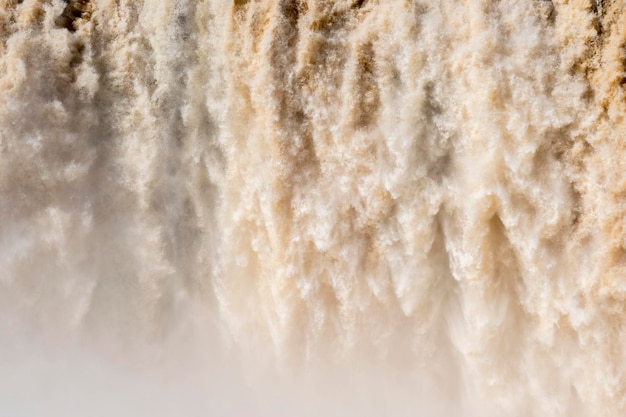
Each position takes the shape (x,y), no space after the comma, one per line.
(421,201)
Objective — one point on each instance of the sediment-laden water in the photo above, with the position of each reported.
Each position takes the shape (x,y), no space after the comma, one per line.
(313,207)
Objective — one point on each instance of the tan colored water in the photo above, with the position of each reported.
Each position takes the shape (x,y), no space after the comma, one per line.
(313,207)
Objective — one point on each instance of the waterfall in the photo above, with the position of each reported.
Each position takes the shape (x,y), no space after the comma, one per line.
(313,207)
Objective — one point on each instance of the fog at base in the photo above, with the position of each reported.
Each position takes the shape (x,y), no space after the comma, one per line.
(41,379)
(312,207)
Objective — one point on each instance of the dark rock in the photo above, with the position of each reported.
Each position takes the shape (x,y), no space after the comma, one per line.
(75,10)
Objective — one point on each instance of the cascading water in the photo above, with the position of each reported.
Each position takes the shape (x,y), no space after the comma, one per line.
(312,207)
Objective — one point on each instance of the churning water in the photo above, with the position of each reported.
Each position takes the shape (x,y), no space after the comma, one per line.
(312,207)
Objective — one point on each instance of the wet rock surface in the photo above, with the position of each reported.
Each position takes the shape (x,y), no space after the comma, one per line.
(74,10)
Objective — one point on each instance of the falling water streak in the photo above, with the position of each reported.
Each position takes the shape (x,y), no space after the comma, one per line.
(427,189)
